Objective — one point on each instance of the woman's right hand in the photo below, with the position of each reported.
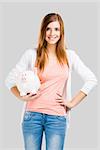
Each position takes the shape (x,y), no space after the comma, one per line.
(30,96)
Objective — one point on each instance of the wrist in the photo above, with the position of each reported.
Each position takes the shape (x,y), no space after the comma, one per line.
(72,104)
(69,105)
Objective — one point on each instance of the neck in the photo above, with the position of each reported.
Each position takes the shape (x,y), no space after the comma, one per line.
(51,49)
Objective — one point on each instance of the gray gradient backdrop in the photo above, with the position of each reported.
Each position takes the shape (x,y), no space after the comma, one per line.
(19,30)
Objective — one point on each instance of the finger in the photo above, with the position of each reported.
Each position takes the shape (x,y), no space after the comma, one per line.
(34,96)
(31,94)
(59,94)
(59,99)
(61,103)
(30,98)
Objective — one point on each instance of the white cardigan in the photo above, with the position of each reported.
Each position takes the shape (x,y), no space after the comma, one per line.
(75,63)
(27,61)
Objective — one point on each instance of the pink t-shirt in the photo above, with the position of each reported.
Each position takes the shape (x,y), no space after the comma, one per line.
(52,79)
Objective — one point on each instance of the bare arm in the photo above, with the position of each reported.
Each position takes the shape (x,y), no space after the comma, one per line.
(16,92)
(75,100)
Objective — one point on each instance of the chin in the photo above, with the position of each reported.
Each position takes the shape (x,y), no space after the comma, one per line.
(52,42)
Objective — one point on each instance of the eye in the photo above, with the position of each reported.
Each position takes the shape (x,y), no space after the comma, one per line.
(47,29)
(57,29)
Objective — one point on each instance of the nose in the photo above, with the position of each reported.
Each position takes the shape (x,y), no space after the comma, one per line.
(51,32)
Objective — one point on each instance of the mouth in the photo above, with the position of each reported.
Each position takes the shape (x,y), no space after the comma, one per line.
(52,38)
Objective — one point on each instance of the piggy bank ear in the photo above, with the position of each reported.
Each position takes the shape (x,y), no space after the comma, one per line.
(19,77)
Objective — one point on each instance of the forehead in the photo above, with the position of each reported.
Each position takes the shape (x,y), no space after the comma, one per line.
(54,24)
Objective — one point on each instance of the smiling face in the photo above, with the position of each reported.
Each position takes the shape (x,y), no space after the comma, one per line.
(52,32)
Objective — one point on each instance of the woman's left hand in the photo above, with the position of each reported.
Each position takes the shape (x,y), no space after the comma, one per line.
(61,101)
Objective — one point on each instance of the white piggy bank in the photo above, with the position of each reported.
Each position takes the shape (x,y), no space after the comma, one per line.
(27,82)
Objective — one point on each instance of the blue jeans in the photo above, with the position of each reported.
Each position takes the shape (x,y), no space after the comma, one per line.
(35,123)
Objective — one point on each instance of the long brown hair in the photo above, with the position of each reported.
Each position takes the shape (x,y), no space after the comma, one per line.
(42,54)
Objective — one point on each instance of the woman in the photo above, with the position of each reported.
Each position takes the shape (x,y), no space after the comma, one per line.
(48,111)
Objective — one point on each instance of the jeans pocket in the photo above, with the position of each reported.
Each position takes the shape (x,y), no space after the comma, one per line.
(61,118)
(27,116)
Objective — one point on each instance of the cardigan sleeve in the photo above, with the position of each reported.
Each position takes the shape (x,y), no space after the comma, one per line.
(89,78)
(10,80)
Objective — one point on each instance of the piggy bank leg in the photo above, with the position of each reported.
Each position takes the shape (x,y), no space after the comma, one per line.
(22,94)
(34,92)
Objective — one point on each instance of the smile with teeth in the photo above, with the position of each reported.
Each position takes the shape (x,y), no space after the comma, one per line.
(52,38)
